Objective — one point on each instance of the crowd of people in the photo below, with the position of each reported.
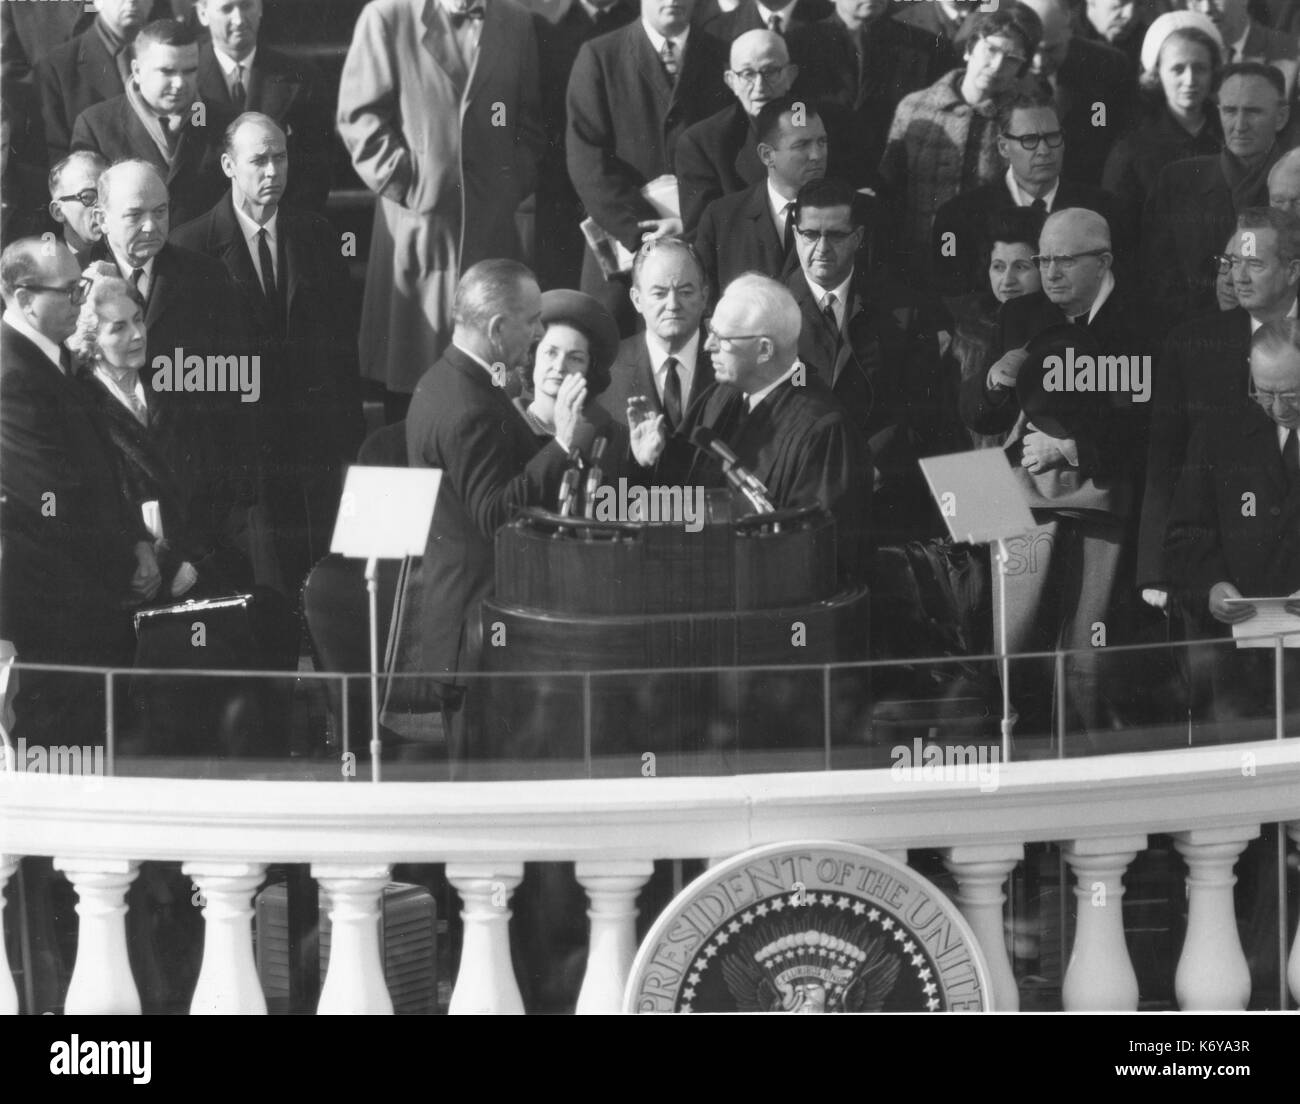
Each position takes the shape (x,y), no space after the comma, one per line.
(840,236)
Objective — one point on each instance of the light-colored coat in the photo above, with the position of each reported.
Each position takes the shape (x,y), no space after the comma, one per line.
(451,157)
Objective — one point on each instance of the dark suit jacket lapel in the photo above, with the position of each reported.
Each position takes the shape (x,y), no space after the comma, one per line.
(272,90)
(212,81)
(95,60)
(294,260)
(1265,453)
(642,57)
(643,377)
(227,241)
(762,228)
(491,49)
(824,358)
(692,69)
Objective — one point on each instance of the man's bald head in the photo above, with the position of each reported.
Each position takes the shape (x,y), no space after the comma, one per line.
(754,336)
(760,69)
(1075,251)
(1284,183)
(36,275)
(133,210)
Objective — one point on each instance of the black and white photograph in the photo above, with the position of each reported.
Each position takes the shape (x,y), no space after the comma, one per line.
(651,506)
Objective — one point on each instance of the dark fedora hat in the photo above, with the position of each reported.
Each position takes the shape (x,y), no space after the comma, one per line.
(584,313)
(1044,386)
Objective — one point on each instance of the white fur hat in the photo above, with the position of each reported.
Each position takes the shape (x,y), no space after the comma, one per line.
(1165,25)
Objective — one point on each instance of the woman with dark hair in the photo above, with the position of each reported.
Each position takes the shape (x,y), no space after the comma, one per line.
(1008,253)
(581,337)
(1181,59)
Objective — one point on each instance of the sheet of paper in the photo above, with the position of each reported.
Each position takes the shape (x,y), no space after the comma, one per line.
(1271,620)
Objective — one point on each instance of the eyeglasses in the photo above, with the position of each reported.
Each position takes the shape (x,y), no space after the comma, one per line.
(1066,261)
(1226,262)
(831,237)
(1055,139)
(87,197)
(76,293)
(1266,399)
(769,74)
(720,338)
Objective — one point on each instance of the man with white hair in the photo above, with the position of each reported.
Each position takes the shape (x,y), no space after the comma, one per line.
(1284,183)
(74,194)
(776,414)
(717,155)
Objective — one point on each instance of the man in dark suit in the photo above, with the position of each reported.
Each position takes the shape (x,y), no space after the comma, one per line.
(560,244)
(23,213)
(1080,75)
(191,305)
(631,95)
(663,365)
(1033,180)
(1083,482)
(70,542)
(782,422)
(1234,525)
(1115,23)
(753,230)
(309,413)
(875,345)
(1194,206)
(781,18)
(868,62)
(239,74)
(462,421)
(160,119)
(1204,369)
(943,19)
(719,155)
(93,67)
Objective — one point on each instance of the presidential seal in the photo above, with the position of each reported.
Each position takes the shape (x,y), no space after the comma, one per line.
(809,927)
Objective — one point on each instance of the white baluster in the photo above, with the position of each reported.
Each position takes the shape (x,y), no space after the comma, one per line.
(485,981)
(101,979)
(612,888)
(228,982)
(354,981)
(1100,975)
(8,994)
(1212,974)
(1293,963)
(981,873)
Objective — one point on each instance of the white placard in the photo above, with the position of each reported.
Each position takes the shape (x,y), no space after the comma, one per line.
(385,513)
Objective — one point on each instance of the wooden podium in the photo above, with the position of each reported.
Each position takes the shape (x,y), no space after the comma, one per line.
(574,595)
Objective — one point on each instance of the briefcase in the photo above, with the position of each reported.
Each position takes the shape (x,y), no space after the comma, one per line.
(208,633)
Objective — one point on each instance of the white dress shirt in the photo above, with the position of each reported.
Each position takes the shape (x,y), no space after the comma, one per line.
(1021,198)
(686,361)
(250,230)
(1103,293)
(1255,325)
(230,68)
(19,323)
(657,42)
(841,294)
(758,396)
(125,268)
(778,204)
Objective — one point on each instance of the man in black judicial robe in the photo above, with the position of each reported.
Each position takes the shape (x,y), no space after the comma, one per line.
(783,423)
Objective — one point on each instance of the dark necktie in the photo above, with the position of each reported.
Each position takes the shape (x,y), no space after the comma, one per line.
(66,366)
(238,94)
(1080,319)
(1291,458)
(787,237)
(268,269)
(170,133)
(672,394)
(668,58)
(828,313)
(137,275)
(1039,205)
(774,24)
(458,19)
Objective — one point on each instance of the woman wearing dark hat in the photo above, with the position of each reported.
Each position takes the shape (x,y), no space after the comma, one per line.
(1181,58)
(581,338)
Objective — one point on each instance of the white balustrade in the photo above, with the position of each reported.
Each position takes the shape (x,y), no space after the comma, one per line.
(1100,974)
(8,994)
(354,981)
(981,871)
(228,981)
(612,888)
(101,979)
(1212,974)
(486,981)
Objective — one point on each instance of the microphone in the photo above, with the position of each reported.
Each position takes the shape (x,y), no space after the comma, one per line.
(738,476)
(569,485)
(594,473)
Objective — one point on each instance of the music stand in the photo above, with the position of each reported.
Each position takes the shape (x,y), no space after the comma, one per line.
(981,503)
(384,514)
